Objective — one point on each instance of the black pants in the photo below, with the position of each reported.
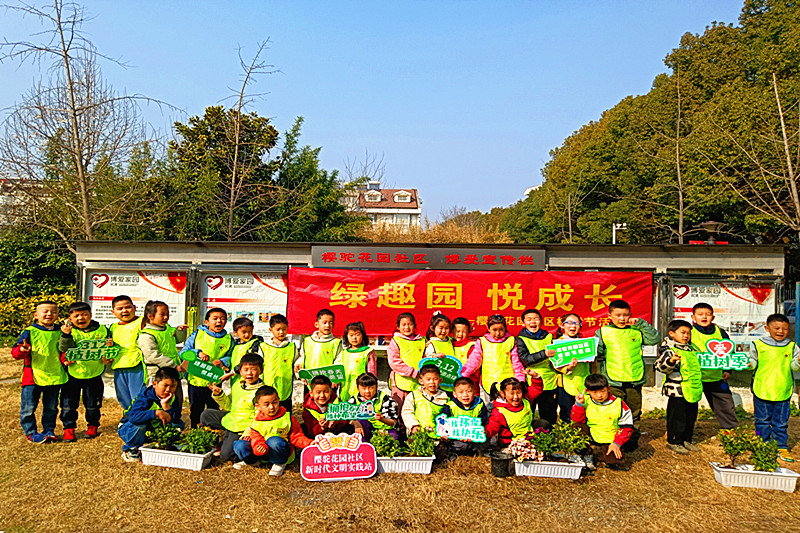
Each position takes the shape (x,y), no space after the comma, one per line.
(199,400)
(92,391)
(548,406)
(719,397)
(213,419)
(681,416)
(565,403)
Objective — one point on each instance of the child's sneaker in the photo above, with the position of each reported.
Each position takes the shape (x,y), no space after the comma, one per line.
(678,448)
(783,453)
(691,447)
(35,438)
(131,456)
(69,435)
(92,432)
(277,470)
(241,465)
(49,436)
(590,464)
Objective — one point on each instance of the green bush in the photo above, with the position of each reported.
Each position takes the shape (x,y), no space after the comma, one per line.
(17,313)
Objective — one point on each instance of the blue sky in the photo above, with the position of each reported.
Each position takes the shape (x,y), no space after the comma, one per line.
(463,100)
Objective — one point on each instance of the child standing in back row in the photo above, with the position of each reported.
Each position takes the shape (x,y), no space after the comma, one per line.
(463,346)
(531,344)
(279,354)
(129,375)
(320,348)
(405,351)
(357,357)
(573,375)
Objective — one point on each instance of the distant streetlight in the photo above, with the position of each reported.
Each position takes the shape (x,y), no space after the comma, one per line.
(711,228)
(617,226)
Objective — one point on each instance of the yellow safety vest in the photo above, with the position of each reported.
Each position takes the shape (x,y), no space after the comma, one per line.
(278,368)
(519,422)
(45,358)
(317,354)
(280,427)
(772,379)
(425,411)
(603,420)
(125,335)
(411,353)
(214,347)
(699,340)
(624,362)
(355,363)
(496,364)
(377,402)
(242,409)
(455,410)
(462,352)
(544,368)
(443,347)
(87,369)
(692,384)
(574,382)
(239,350)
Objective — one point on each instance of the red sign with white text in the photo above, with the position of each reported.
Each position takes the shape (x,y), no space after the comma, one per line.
(339,457)
(377,297)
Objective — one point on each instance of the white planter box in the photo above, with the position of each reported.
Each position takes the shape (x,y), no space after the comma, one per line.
(549,469)
(746,476)
(405,465)
(170,459)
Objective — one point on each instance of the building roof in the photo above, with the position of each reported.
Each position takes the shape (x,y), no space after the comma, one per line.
(387,199)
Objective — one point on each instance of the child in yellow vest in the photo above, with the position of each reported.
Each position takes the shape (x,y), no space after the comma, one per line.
(774,357)
(620,358)
(235,409)
(463,346)
(423,405)
(683,385)
(512,416)
(438,338)
(466,402)
(571,376)
(386,409)
(357,357)
(279,354)
(405,351)
(273,433)
(129,375)
(531,343)
(42,373)
(320,348)
(85,377)
(209,342)
(246,342)
(605,419)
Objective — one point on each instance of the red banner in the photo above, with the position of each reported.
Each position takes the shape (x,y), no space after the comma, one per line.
(377,297)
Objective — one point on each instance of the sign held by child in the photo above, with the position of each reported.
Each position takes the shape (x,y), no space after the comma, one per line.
(349,411)
(719,354)
(460,428)
(91,350)
(334,373)
(449,369)
(340,457)
(582,350)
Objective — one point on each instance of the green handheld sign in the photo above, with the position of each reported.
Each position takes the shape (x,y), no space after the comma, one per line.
(349,411)
(204,370)
(449,368)
(584,350)
(334,372)
(460,428)
(91,350)
(719,355)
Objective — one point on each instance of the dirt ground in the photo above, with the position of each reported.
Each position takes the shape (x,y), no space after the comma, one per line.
(85,486)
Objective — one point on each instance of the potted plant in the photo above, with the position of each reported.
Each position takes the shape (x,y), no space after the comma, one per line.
(763,473)
(415,458)
(171,448)
(550,452)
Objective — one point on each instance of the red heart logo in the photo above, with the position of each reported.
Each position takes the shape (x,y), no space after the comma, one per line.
(214,282)
(720,348)
(680,291)
(177,280)
(98,280)
(760,292)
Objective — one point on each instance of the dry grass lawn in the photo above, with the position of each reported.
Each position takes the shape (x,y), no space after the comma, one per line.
(85,486)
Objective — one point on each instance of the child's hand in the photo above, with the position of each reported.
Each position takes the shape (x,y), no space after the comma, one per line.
(203,356)
(67,327)
(726,376)
(106,360)
(110,343)
(215,389)
(614,448)
(182,367)
(182,327)
(414,429)
(550,353)
(380,418)
(227,375)
(297,367)
(631,322)
(246,434)
(165,401)
(163,416)
(439,355)
(359,428)
(570,367)
(25,347)
(68,362)
(579,398)
(260,448)
(675,358)
(217,363)
(531,372)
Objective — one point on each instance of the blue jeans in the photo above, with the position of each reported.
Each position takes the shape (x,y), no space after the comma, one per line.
(772,420)
(29,401)
(127,384)
(135,435)
(279,451)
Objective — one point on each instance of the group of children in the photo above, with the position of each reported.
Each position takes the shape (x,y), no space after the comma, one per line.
(503,379)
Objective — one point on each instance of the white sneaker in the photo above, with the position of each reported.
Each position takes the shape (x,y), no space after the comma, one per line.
(131,456)
(240,465)
(277,470)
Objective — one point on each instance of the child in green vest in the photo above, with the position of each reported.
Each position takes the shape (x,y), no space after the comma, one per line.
(42,373)
(320,348)
(246,342)
(438,336)
(236,409)
(463,346)
(158,342)
(357,357)
(209,342)
(386,409)
(683,385)
(512,416)
(279,355)
(605,419)
(403,354)
(620,358)
(273,433)
(423,405)
(774,358)
(320,395)
(129,376)
(465,402)
(85,377)
(715,381)
(572,376)
(153,403)
(531,343)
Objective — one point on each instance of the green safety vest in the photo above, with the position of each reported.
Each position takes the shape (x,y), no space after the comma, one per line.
(496,364)
(317,354)
(462,352)
(215,348)
(278,368)
(355,364)
(280,427)
(574,382)
(603,420)
(125,335)
(519,422)
(411,353)
(45,357)
(691,373)
(425,411)
(455,410)
(772,379)
(544,368)
(444,347)
(239,351)
(624,362)
(699,340)
(167,344)
(376,402)
(87,369)
(242,409)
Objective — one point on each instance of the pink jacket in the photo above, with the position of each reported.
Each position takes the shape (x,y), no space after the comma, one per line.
(393,356)
(475,359)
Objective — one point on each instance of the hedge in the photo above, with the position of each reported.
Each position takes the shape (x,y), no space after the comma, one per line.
(17,313)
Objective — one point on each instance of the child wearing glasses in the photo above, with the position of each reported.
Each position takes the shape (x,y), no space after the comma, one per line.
(572,376)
